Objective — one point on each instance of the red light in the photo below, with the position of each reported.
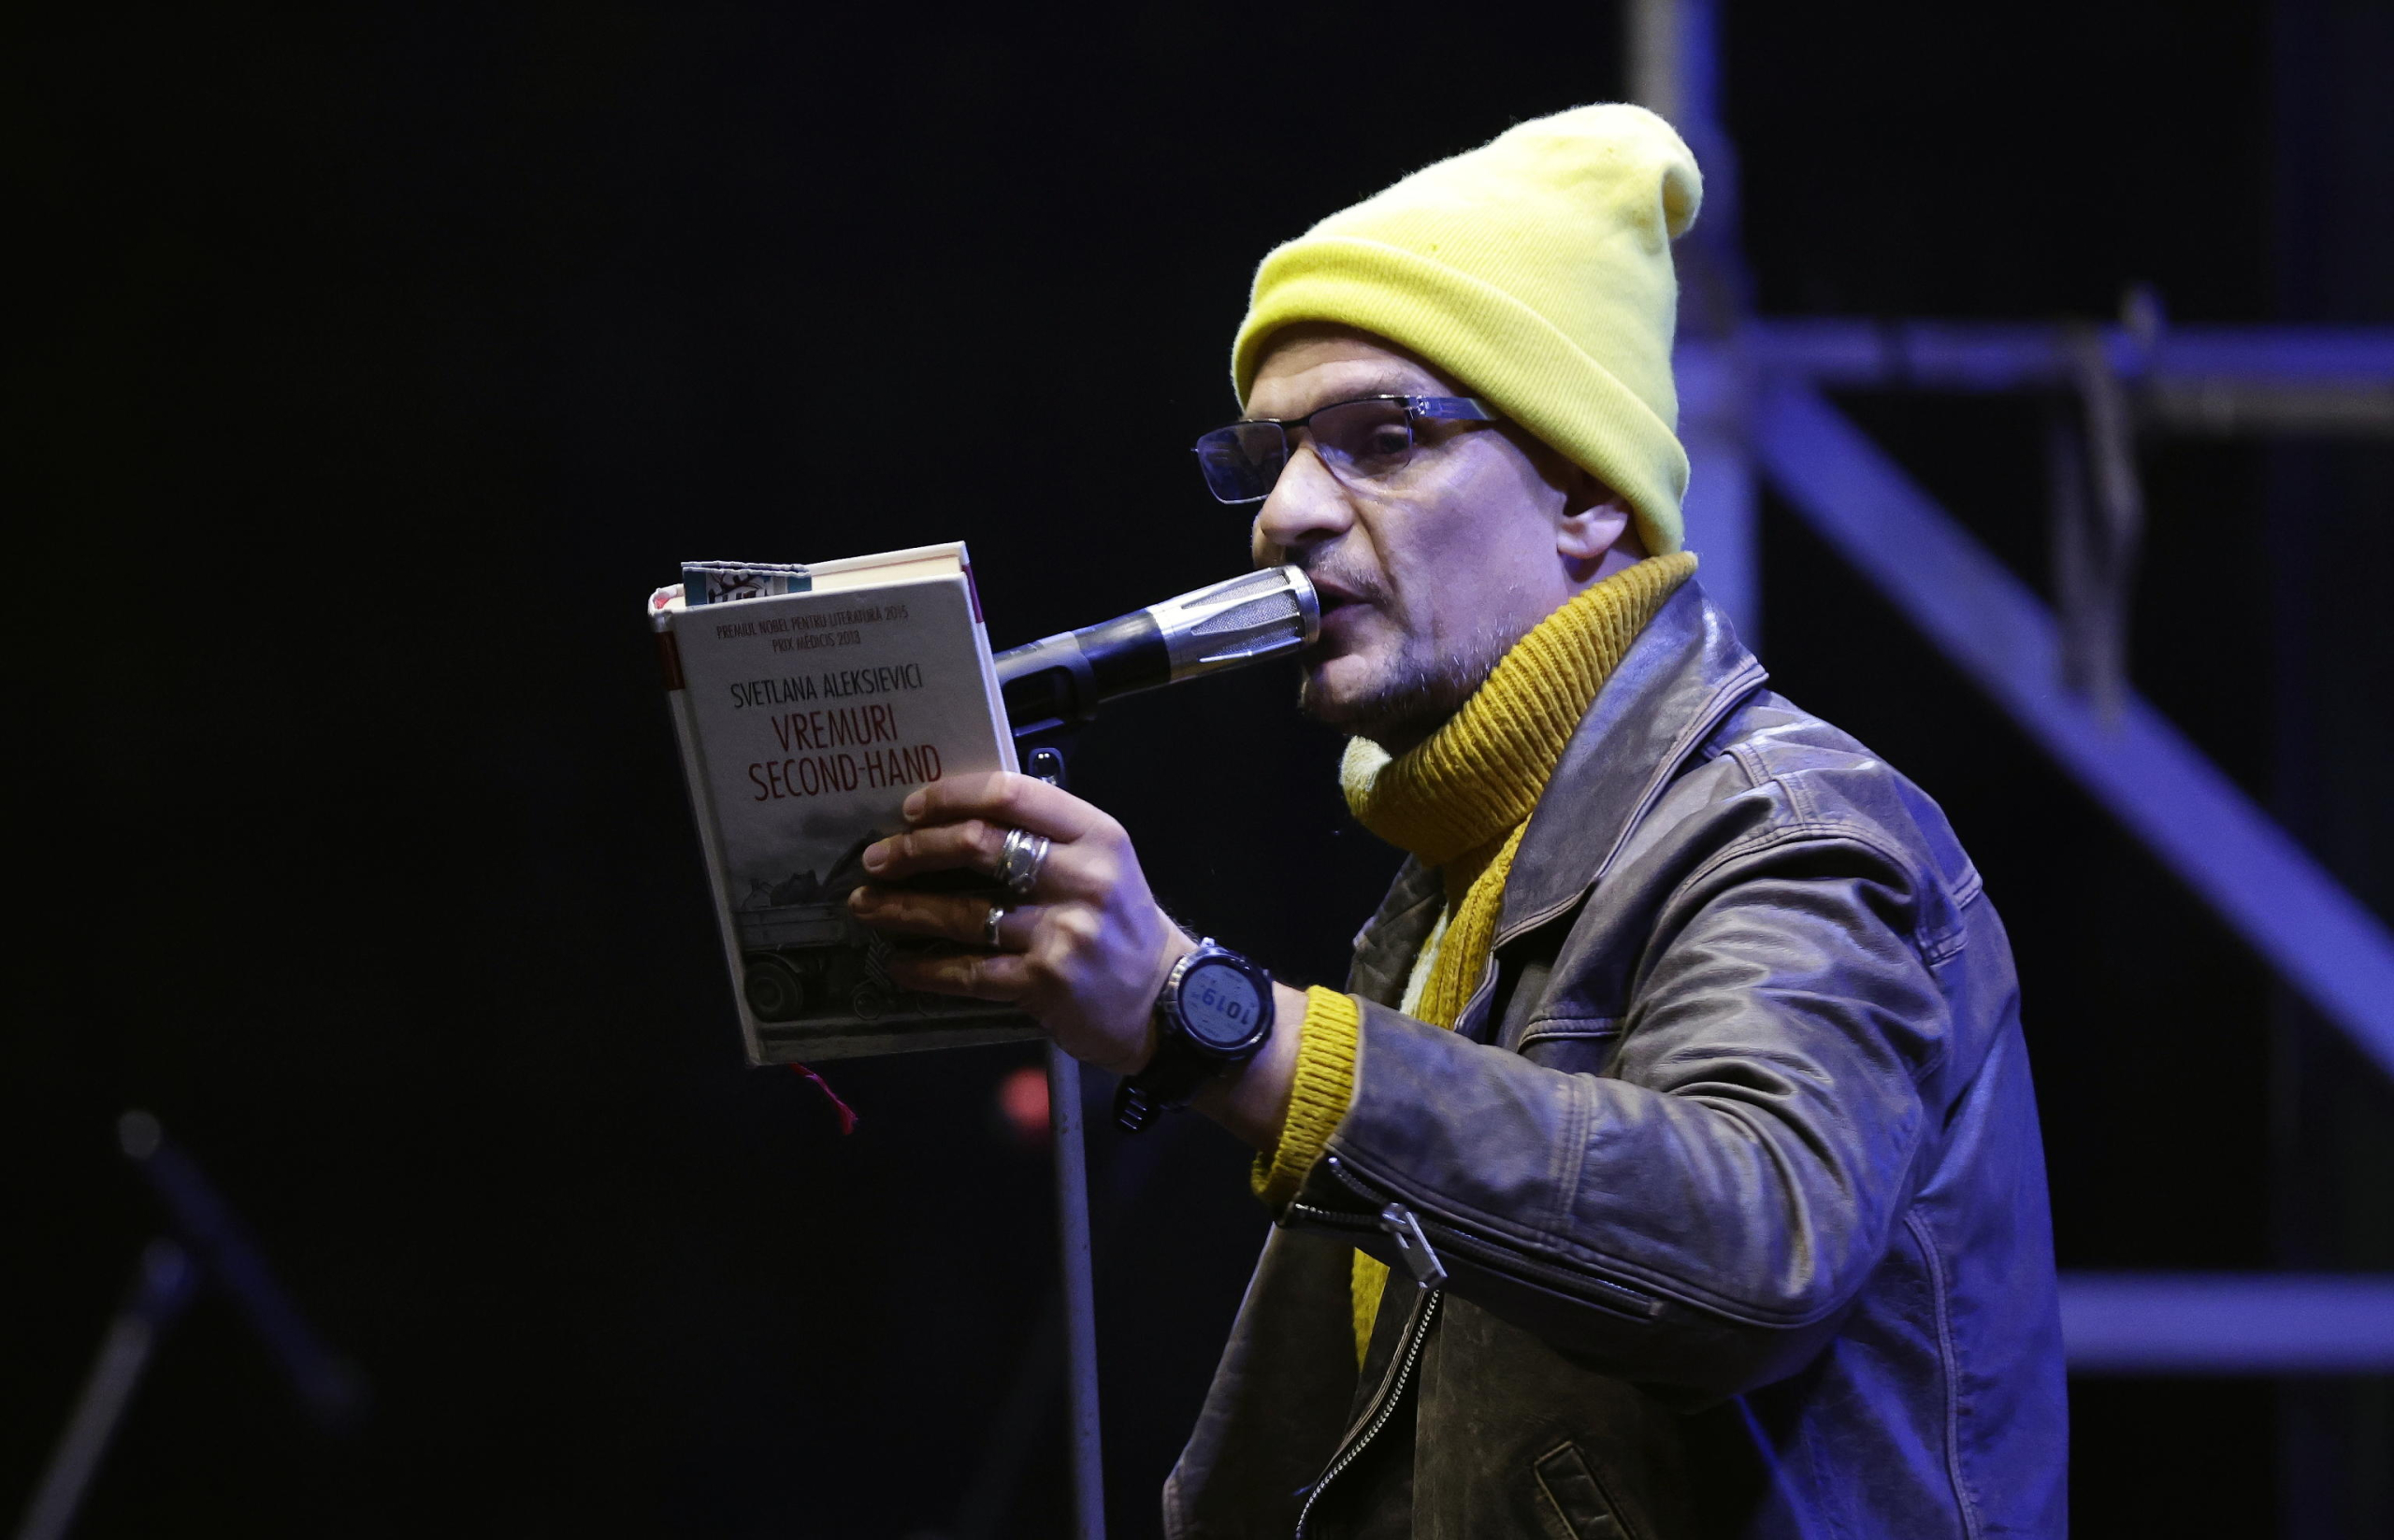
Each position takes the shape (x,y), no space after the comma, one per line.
(1022,1104)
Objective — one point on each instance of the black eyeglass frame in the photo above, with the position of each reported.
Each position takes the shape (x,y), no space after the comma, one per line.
(1418,408)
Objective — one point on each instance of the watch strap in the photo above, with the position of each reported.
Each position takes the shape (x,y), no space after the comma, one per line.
(1170,1079)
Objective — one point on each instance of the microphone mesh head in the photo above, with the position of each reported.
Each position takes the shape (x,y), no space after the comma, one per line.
(1271,611)
(1243,620)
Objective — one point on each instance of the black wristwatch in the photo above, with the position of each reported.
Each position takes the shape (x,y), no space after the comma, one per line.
(1216,1011)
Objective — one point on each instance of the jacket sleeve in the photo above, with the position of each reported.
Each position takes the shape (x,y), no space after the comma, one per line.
(1701,1215)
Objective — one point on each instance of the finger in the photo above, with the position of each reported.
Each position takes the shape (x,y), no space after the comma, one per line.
(1017,926)
(1068,871)
(1009,801)
(973,845)
(977,975)
(959,918)
(902,912)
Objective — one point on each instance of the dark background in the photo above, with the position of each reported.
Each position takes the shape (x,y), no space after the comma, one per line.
(369,366)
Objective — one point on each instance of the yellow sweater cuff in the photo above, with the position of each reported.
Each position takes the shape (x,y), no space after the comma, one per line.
(1318,1099)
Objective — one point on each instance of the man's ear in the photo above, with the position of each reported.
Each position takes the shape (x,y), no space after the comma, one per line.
(1594,524)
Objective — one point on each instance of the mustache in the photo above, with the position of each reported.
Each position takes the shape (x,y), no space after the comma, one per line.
(1346,584)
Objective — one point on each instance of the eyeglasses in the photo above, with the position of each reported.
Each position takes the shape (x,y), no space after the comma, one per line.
(1360,441)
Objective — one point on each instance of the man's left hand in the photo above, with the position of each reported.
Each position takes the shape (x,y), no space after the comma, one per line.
(1084,954)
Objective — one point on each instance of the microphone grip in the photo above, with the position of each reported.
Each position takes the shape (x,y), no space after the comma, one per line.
(1058,682)
(1047,685)
(1126,654)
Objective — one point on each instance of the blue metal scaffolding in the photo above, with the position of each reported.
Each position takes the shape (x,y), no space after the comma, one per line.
(1753,411)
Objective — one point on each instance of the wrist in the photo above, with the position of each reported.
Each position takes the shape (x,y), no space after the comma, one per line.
(1143,1038)
(1252,1101)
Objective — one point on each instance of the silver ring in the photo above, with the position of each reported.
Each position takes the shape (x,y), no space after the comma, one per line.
(989,926)
(1019,860)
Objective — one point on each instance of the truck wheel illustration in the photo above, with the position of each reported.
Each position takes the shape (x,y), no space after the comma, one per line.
(774,991)
(871,1002)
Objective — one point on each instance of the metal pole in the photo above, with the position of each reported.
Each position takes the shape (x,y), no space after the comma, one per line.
(1724,500)
(331,1389)
(1655,56)
(1674,69)
(162,1286)
(1082,1448)
(1080,1299)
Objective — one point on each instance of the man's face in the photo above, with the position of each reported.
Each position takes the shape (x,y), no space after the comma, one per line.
(1428,576)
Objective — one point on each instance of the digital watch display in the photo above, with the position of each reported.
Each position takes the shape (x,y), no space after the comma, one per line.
(1220,1005)
(1216,1011)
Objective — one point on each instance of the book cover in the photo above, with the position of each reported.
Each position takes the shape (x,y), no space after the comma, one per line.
(809,707)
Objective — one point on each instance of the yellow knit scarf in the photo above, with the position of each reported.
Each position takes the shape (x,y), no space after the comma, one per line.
(1461,799)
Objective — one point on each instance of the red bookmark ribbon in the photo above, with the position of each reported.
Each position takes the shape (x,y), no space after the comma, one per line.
(847,1114)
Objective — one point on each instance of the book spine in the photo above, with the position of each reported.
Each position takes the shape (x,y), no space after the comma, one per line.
(989,685)
(694,775)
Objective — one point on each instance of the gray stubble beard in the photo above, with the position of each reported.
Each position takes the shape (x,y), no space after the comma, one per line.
(1421,695)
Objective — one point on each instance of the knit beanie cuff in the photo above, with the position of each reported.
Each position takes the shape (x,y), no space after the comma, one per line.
(1508,354)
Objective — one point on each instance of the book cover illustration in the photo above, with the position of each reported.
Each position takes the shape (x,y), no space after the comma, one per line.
(807,717)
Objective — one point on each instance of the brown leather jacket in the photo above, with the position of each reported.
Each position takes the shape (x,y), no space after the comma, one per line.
(1722,1209)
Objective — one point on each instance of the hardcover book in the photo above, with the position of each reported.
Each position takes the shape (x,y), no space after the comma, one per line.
(810,701)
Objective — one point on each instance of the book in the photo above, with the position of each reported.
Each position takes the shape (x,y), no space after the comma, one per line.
(810,701)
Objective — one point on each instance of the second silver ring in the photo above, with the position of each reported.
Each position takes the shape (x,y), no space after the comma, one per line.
(998,913)
(1019,860)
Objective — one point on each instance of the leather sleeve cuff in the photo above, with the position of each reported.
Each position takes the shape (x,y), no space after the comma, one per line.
(1317,1099)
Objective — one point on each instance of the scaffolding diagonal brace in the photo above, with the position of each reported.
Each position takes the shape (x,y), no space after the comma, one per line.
(2143,771)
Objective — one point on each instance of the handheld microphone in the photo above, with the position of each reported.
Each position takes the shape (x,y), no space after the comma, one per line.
(1058,682)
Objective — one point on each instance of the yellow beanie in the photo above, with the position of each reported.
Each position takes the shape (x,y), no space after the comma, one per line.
(1536,271)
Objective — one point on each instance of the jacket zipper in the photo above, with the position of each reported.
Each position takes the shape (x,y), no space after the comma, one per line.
(1402,1225)
(1405,1227)
(1416,1335)
(1399,1223)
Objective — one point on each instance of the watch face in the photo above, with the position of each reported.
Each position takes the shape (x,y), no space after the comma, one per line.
(1219,1005)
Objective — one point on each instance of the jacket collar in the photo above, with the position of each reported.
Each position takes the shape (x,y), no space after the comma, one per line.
(1385,947)
(1682,675)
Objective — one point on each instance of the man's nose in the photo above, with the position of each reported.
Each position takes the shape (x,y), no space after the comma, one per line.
(1306,507)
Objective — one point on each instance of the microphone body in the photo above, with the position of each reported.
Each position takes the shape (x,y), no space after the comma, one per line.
(1057,682)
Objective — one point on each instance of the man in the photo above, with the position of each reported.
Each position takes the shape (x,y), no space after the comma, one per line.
(1671,1167)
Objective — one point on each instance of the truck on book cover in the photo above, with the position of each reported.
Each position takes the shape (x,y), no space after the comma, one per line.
(802,953)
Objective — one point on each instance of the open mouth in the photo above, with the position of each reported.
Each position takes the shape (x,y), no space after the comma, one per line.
(1337,606)
(1335,596)
(1345,603)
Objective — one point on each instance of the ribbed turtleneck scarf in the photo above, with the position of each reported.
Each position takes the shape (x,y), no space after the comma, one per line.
(1460,801)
